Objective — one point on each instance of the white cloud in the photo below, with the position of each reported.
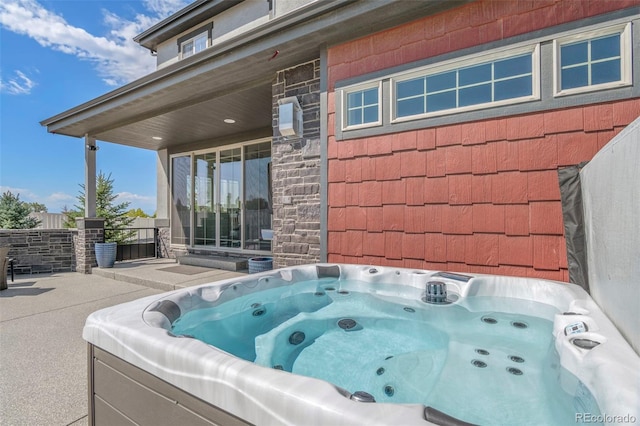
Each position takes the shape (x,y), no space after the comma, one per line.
(117,58)
(54,202)
(23,193)
(128,196)
(164,8)
(145,202)
(20,84)
(59,201)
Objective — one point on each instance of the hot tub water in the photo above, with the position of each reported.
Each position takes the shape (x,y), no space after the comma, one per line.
(480,360)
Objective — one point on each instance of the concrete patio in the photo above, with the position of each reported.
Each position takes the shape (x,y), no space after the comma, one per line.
(43,358)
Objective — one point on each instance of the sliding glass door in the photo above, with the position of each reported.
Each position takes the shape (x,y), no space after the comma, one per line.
(205,200)
(230,206)
(181,199)
(257,195)
(230,198)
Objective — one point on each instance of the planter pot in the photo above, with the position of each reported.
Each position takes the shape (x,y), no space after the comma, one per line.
(106,254)
(260,264)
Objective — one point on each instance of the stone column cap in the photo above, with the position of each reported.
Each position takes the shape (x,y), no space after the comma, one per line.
(90,223)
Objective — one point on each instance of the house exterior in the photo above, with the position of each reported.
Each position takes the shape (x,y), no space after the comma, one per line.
(422,134)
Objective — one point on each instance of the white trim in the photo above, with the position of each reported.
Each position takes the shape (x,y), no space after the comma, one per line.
(626,53)
(171,199)
(193,40)
(387,102)
(217,150)
(344,91)
(466,61)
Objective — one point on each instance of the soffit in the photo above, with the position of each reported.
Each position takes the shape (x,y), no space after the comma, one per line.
(187,101)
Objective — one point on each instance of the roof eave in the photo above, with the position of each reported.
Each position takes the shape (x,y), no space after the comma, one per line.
(182,20)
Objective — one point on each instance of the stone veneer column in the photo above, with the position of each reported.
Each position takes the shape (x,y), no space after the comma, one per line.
(90,231)
(296,171)
(164,239)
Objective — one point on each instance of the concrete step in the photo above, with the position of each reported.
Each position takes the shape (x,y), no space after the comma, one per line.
(226,263)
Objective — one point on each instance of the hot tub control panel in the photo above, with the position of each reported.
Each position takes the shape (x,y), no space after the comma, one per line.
(575,328)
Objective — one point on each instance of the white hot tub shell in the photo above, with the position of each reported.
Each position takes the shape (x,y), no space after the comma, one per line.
(139,373)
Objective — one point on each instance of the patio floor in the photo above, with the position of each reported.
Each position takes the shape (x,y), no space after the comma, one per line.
(43,358)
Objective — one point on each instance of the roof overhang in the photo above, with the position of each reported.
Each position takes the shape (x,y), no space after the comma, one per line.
(187,101)
(183,20)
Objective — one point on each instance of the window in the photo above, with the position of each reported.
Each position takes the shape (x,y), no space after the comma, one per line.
(467,84)
(194,45)
(222,197)
(594,60)
(529,75)
(361,106)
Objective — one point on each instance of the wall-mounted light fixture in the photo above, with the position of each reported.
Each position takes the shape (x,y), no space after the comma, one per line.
(290,117)
(92,147)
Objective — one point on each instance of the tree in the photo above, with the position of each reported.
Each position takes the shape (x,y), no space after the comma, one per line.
(14,214)
(114,215)
(137,213)
(37,207)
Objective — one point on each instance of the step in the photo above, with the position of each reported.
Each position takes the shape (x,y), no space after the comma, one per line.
(226,263)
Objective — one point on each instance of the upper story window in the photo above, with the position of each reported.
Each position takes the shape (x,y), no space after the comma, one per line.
(594,60)
(195,41)
(362,106)
(193,46)
(476,82)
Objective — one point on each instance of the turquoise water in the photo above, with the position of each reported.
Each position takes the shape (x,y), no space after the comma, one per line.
(490,361)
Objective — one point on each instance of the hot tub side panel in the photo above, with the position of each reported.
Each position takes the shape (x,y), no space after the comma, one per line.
(121,393)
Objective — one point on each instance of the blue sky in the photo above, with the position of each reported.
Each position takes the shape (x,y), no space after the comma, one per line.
(55,55)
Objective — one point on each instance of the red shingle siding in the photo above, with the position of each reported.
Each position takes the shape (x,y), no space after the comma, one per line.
(472,197)
(469,25)
(494,204)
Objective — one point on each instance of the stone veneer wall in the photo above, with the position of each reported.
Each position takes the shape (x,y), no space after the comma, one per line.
(296,171)
(90,232)
(164,244)
(40,250)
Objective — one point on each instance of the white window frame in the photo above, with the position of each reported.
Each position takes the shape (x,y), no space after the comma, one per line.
(191,189)
(626,49)
(467,61)
(344,92)
(193,40)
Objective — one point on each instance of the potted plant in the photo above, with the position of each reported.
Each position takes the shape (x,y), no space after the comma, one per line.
(106,254)
(260,264)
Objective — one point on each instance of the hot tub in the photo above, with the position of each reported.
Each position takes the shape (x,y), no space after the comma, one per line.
(353,345)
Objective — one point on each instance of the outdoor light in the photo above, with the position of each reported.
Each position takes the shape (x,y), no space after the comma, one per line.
(92,147)
(290,117)
(156,138)
(229,120)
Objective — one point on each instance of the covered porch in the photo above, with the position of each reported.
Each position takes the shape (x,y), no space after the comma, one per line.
(227,179)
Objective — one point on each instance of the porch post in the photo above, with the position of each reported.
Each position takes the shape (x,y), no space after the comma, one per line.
(163,205)
(90,232)
(90,176)
(90,228)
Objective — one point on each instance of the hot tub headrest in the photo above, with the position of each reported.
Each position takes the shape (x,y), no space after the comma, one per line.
(328,271)
(169,309)
(439,418)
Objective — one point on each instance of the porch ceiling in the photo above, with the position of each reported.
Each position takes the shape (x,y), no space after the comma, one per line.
(187,101)
(199,119)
